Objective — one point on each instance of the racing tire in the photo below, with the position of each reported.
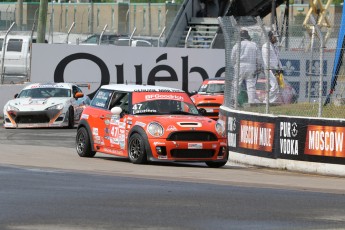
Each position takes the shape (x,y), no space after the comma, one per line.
(136,149)
(83,144)
(70,118)
(215,164)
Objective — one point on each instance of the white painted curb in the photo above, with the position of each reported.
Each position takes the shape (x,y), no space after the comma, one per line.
(291,165)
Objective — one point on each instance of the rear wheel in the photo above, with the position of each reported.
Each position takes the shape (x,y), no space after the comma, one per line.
(136,149)
(83,145)
(215,164)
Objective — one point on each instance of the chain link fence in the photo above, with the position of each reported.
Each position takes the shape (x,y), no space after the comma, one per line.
(298,86)
(69,22)
(306,55)
(117,23)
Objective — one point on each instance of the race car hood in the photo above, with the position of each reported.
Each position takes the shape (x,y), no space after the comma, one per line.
(172,123)
(208,98)
(37,104)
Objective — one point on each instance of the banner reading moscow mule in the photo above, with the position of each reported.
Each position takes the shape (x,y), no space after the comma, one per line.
(256,135)
(250,134)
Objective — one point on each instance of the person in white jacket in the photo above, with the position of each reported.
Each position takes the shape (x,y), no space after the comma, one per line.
(273,65)
(249,58)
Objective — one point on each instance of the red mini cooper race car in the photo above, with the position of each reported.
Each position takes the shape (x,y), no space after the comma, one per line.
(150,123)
(210,96)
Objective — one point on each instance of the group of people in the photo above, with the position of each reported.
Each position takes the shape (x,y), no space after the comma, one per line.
(251,60)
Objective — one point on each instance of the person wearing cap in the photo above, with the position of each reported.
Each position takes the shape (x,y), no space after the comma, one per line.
(249,58)
(270,50)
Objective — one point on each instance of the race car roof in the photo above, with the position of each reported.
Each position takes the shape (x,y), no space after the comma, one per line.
(49,85)
(140,88)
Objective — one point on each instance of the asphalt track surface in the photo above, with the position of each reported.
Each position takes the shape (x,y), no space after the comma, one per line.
(55,148)
(46,185)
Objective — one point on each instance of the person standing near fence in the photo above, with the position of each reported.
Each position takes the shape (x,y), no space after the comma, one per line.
(250,60)
(270,50)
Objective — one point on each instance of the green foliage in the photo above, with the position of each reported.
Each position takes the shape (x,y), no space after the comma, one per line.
(337,1)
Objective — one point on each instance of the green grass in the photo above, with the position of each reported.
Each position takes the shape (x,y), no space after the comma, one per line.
(301,109)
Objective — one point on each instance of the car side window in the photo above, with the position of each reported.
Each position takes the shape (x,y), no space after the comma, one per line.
(102,99)
(75,90)
(15,45)
(120,99)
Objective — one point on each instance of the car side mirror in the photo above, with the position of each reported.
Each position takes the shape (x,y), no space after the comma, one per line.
(202,111)
(193,93)
(16,95)
(116,111)
(78,95)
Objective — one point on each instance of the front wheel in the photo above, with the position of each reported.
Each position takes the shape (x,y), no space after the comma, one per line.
(215,164)
(136,149)
(83,144)
(71,118)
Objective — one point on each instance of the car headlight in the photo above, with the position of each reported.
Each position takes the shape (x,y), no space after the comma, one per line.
(220,128)
(58,107)
(11,108)
(155,129)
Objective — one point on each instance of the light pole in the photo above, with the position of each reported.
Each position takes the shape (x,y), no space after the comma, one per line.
(42,21)
(150,26)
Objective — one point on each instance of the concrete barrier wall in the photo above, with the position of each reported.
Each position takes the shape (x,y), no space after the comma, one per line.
(7,92)
(295,143)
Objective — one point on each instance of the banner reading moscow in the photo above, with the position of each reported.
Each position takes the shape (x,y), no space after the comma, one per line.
(325,141)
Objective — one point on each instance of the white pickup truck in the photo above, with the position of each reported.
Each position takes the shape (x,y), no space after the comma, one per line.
(17,57)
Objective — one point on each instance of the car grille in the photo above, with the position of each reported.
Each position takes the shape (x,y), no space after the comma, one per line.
(192,136)
(29,117)
(210,104)
(192,153)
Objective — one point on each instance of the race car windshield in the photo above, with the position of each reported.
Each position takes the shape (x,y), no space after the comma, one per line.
(212,88)
(45,93)
(164,107)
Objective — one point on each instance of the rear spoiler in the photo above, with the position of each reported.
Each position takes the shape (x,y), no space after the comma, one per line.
(84,85)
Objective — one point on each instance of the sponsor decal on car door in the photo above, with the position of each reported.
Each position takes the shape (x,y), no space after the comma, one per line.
(117,134)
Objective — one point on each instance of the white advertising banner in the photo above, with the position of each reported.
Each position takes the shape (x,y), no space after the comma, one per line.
(99,65)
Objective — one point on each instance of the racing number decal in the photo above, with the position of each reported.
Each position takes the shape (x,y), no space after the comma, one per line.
(137,106)
(114,132)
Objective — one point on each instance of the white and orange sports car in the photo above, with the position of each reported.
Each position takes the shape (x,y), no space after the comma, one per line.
(45,105)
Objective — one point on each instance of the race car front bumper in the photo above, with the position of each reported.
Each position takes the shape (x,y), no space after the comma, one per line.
(34,119)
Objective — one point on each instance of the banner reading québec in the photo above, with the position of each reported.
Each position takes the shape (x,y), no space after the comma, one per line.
(109,64)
